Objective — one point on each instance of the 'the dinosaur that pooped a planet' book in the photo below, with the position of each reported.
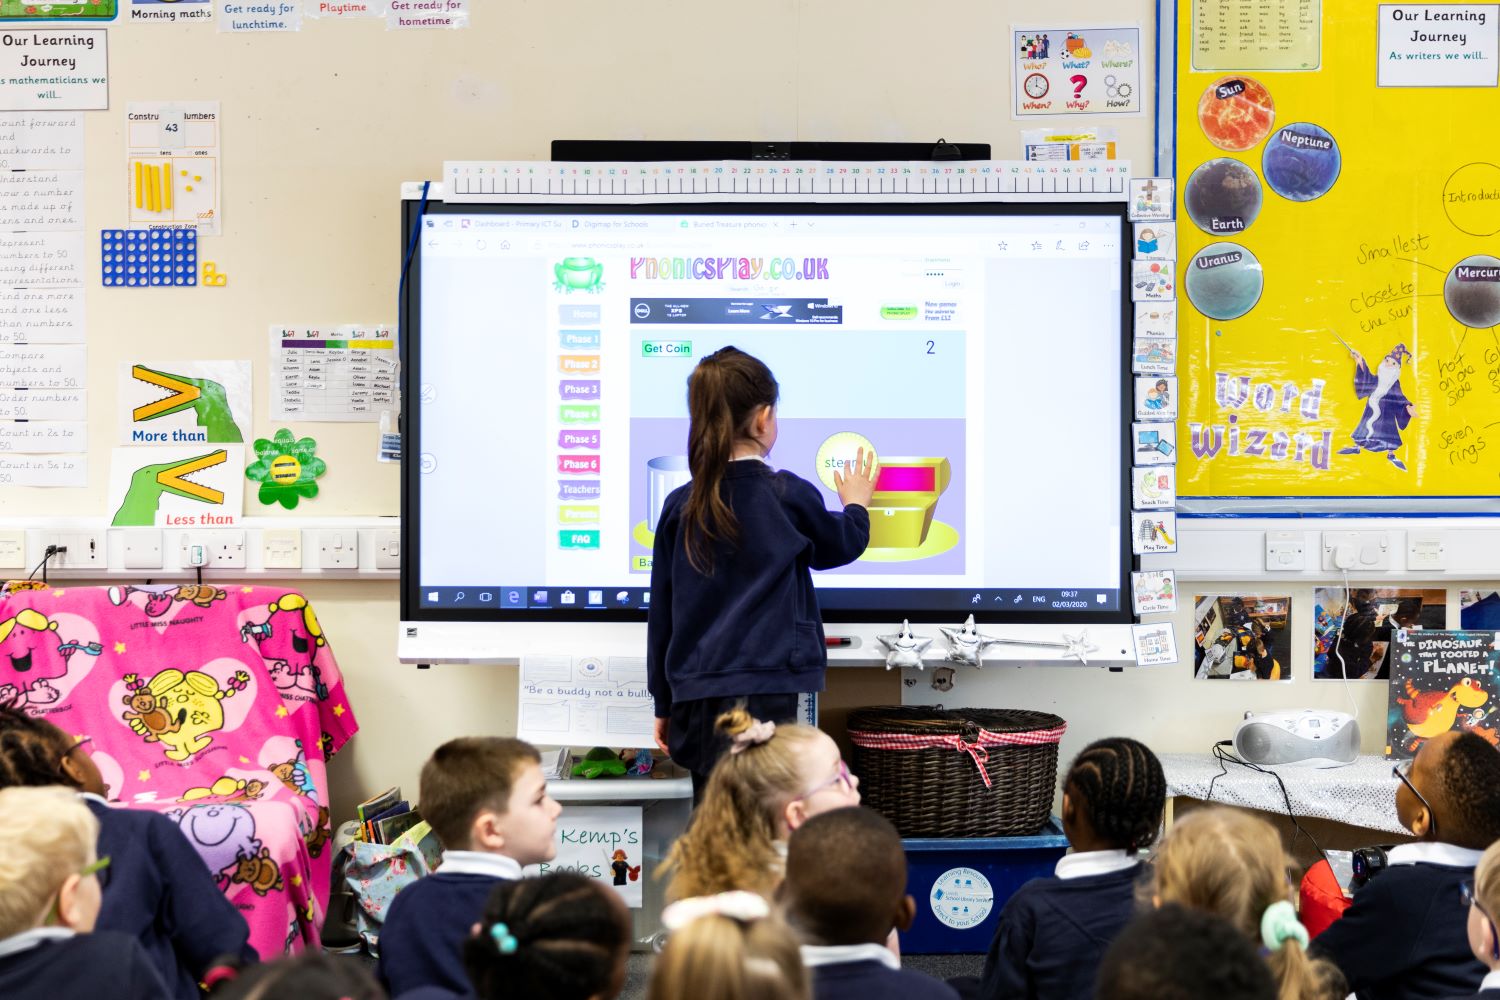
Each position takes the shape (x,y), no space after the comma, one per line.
(1442,681)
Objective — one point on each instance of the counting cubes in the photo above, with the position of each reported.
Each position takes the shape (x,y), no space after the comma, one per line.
(138,258)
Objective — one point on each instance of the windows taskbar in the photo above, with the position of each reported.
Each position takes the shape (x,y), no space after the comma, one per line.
(898,601)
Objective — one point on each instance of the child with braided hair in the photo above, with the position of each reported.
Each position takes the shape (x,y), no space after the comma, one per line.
(156,889)
(1054,931)
(563,936)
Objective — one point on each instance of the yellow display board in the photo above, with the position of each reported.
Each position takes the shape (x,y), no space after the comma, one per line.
(1339,255)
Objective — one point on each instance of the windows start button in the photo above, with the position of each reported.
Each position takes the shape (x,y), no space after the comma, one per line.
(666,348)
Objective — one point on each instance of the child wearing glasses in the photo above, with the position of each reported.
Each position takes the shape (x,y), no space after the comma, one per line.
(1483,897)
(1054,931)
(1405,935)
(49,902)
(772,780)
(157,889)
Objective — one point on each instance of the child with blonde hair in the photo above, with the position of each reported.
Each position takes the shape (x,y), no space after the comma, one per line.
(771,781)
(1483,895)
(727,945)
(49,900)
(1232,864)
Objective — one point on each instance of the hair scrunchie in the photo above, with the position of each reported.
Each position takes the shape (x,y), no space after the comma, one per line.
(760,732)
(1280,923)
(505,941)
(737,905)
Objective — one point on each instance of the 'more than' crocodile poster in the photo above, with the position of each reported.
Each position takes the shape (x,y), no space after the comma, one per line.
(184,402)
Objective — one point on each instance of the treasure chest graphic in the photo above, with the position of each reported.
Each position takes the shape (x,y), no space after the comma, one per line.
(905,499)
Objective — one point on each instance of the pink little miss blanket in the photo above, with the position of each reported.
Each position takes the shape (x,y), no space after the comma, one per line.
(217,706)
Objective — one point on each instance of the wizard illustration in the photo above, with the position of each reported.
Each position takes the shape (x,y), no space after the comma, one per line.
(1387,410)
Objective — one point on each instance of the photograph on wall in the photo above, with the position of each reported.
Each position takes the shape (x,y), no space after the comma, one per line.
(1441,681)
(1353,638)
(1479,609)
(1242,637)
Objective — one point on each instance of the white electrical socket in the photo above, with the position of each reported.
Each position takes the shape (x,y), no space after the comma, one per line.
(13,550)
(1356,551)
(388,548)
(1284,551)
(281,548)
(1425,550)
(222,549)
(338,549)
(141,548)
(85,549)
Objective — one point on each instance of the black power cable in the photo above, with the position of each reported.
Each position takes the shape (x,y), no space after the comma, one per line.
(1226,757)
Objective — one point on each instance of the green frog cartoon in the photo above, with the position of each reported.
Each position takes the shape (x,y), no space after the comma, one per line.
(582,274)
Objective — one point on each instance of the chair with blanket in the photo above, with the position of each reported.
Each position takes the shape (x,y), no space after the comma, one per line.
(218,706)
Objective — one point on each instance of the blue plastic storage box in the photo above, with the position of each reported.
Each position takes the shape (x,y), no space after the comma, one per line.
(961,885)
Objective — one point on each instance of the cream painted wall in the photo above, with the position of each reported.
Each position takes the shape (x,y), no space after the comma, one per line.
(321,126)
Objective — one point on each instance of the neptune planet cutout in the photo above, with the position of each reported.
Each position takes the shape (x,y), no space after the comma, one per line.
(1301,162)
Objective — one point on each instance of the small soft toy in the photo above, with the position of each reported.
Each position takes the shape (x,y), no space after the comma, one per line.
(966,643)
(641,762)
(600,762)
(904,649)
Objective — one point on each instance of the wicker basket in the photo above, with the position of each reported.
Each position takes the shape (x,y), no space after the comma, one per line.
(970,772)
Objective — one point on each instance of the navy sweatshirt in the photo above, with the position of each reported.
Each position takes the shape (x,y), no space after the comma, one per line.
(873,981)
(753,626)
(158,890)
(1053,933)
(422,941)
(101,964)
(1406,936)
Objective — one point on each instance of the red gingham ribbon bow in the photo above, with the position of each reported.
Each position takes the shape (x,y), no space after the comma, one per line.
(975,748)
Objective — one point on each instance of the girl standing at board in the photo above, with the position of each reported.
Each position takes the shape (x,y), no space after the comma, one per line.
(734,617)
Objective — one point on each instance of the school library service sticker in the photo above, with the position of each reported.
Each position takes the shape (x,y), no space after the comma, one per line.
(1472,292)
(1236,113)
(961,898)
(1301,162)
(1224,281)
(1223,197)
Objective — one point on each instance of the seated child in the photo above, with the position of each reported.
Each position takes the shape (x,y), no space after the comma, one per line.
(1174,953)
(49,900)
(312,975)
(157,889)
(845,891)
(1054,931)
(1404,935)
(1231,863)
(728,945)
(562,936)
(487,801)
(1484,932)
(769,783)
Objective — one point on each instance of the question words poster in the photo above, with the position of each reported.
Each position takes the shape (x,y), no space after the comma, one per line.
(1083,70)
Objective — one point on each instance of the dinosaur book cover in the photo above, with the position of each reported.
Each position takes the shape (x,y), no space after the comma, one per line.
(1441,681)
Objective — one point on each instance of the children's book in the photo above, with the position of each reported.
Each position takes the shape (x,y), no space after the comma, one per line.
(1442,681)
(370,808)
(388,829)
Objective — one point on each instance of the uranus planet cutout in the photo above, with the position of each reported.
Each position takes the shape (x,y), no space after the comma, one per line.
(1224,280)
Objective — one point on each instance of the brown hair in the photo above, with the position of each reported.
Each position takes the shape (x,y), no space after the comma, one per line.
(731,842)
(724,392)
(1232,864)
(468,775)
(727,959)
(47,835)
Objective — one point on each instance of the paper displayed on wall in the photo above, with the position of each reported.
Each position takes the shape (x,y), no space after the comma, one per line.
(1156,398)
(1154,591)
(1439,45)
(1153,487)
(172,11)
(333,373)
(1441,681)
(66,69)
(1242,637)
(43,404)
(1156,319)
(1352,638)
(404,14)
(1088,70)
(29,10)
(201,486)
(1153,355)
(1153,444)
(38,436)
(344,10)
(41,260)
(1257,34)
(1153,531)
(184,402)
(260,15)
(43,366)
(601,842)
(41,316)
(71,471)
(41,140)
(582,700)
(287,469)
(174,164)
(1150,199)
(1155,240)
(1153,280)
(1155,644)
(41,200)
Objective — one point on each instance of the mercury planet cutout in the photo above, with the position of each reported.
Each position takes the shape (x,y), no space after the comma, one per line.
(1223,197)
(1224,281)
(1236,113)
(1301,162)
(1472,292)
